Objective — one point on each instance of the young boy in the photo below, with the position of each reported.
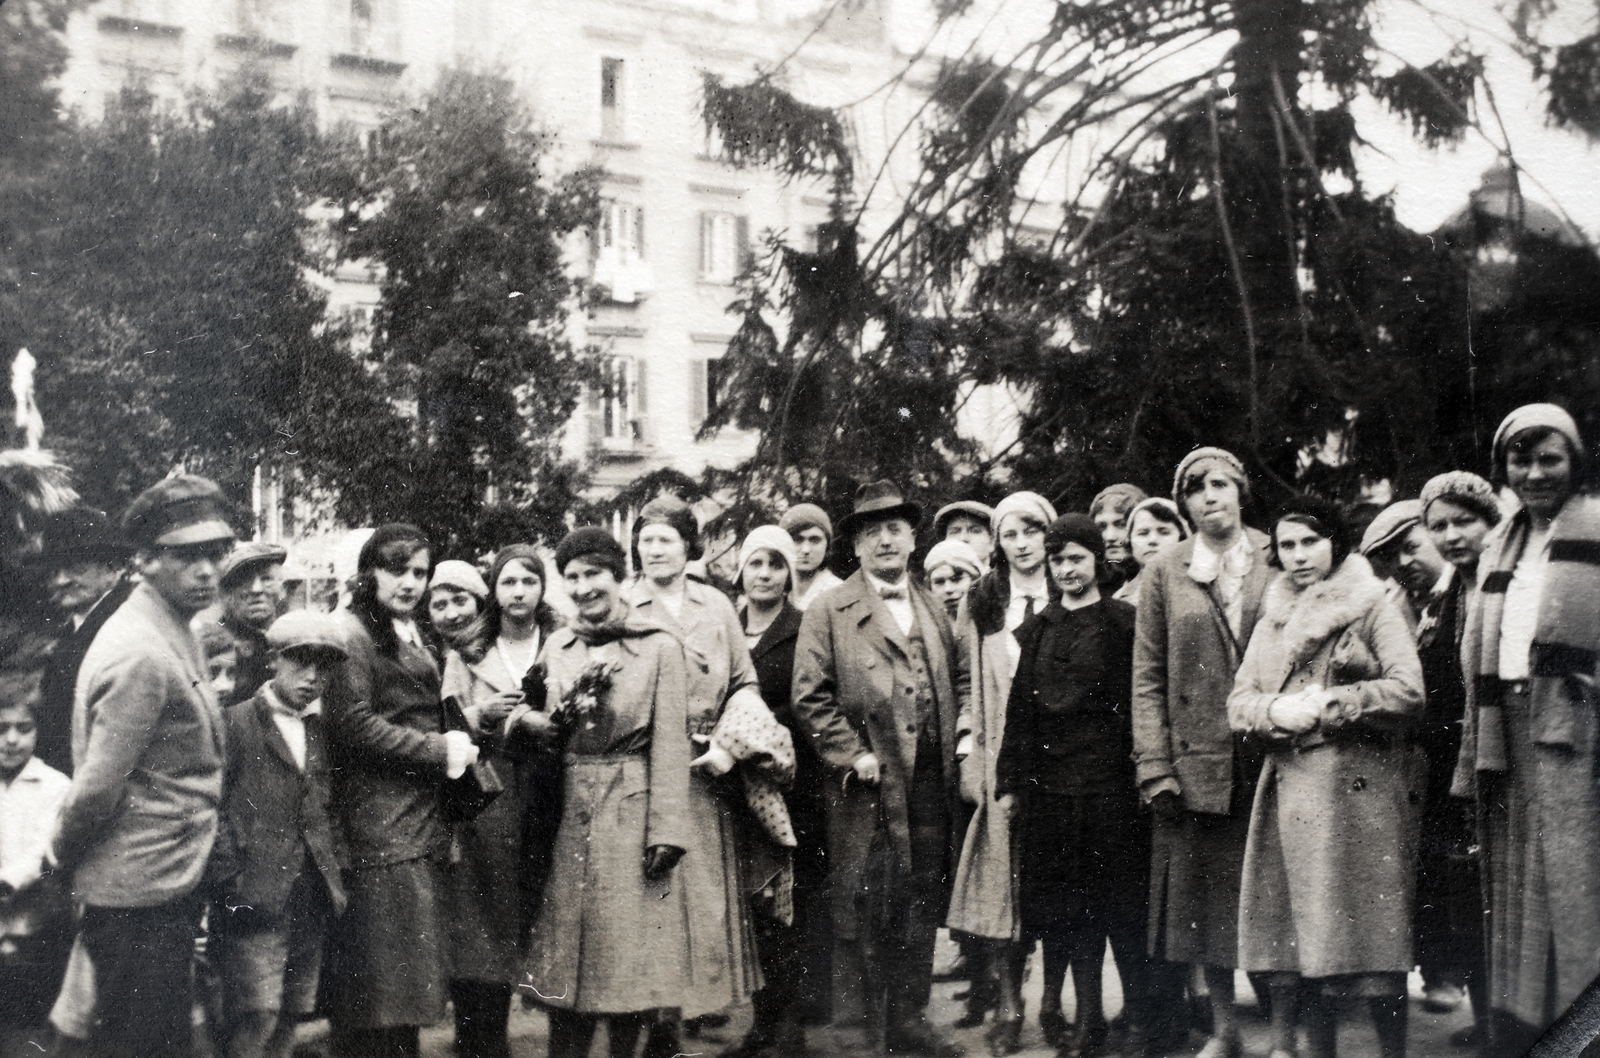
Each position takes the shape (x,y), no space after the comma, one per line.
(35,914)
(279,853)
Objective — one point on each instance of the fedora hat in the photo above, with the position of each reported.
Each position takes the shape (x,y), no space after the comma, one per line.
(879,501)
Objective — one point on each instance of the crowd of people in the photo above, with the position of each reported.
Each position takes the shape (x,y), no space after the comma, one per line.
(1324,752)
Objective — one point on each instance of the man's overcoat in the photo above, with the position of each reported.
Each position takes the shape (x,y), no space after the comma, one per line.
(851,663)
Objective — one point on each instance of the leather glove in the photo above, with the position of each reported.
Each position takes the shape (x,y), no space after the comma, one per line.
(659,861)
(1166,806)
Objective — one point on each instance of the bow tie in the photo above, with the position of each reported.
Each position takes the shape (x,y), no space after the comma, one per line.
(893,593)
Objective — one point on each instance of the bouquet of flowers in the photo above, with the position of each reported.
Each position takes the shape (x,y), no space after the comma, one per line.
(580,700)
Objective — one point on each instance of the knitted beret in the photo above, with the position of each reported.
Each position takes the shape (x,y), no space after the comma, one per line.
(957,554)
(1202,460)
(592,544)
(1466,489)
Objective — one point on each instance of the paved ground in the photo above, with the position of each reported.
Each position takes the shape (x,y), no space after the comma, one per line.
(1428,1037)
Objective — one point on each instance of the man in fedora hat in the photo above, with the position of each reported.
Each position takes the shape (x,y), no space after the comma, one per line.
(148,748)
(878,684)
(85,564)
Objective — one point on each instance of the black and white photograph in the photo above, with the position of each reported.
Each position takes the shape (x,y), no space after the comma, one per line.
(800,528)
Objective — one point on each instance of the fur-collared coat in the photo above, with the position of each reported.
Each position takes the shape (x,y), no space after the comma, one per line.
(1330,867)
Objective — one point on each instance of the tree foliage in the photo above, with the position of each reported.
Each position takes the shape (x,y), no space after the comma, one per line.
(1226,278)
(455,202)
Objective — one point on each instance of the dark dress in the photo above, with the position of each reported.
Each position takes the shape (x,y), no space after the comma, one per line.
(1449,913)
(796,960)
(389,952)
(1067,757)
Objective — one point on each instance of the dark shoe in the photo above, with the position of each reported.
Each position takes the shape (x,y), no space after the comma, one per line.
(1055,1026)
(1090,1039)
(919,1038)
(753,1044)
(956,971)
(1005,1036)
(971,1019)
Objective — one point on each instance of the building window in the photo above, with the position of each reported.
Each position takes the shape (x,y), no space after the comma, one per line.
(619,265)
(618,402)
(612,125)
(708,382)
(724,246)
(622,231)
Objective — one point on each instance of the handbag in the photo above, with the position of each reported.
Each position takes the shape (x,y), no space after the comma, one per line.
(465,797)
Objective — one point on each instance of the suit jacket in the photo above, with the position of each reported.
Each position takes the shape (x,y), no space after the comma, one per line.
(1184,660)
(853,682)
(148,745)
(276,819)
(388,751)
(60,679)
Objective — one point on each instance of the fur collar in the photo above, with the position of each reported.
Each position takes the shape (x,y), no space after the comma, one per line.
(1305,620)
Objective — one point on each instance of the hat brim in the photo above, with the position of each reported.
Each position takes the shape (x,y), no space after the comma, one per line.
(195,533)
(248,565)
(851,523)
(333,650)
(1393,536)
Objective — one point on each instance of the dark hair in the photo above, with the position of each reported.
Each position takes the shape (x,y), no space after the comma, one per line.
(1323,517)
(20,689)
(543,615)
(389,549)
(674,513)
(1524,441)
(1162,513)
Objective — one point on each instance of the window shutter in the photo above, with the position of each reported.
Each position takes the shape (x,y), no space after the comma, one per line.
(595,414)
(743,243)
(697,392)
(708,239)
(638,231)
(640,403)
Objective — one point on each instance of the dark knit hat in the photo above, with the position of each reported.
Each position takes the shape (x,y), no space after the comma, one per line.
(527,554)
(1465,489)
(592,544)
(182,509)
(670,511)
(1075,528)
(378,550)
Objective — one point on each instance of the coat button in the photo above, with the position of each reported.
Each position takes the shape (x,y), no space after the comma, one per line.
(911,729)
(873,717)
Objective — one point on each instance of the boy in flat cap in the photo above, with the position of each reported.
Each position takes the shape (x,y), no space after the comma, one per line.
(278,856)
(147,748)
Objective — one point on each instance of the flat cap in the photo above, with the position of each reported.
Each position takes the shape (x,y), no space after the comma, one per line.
(182,509)
(803,516)
(971,508)
(248,557)
(1393,522)
(308,630)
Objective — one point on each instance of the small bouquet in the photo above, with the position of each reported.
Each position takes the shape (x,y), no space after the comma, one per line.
(580,700)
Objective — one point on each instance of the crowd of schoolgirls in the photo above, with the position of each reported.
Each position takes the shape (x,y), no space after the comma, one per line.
(1326,753)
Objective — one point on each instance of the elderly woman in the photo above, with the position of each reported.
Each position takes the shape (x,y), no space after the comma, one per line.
(1529,749)
(739,742)
(1112,511)
(791,929)
(611,941)
(984,901)
(483,673)
(1154,525)
(1458,509)
(387,955)
(1331,683)
(1198,605)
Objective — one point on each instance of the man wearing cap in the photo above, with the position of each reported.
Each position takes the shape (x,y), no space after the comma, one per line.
(278,855)
(878,684)
(147,746)
(251,587)
(812,532)
(86,562)
(968,521)
(1402,554)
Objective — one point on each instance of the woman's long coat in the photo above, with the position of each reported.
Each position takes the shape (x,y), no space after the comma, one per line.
(490,908)
(388,957)
(725,967)
(1330,867)
(984,900)
(606,939)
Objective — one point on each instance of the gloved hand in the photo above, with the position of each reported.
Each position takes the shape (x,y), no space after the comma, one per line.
(866,768)
(1166,806)
(715,760)
(459,752)
(659,861)
(1296,713)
